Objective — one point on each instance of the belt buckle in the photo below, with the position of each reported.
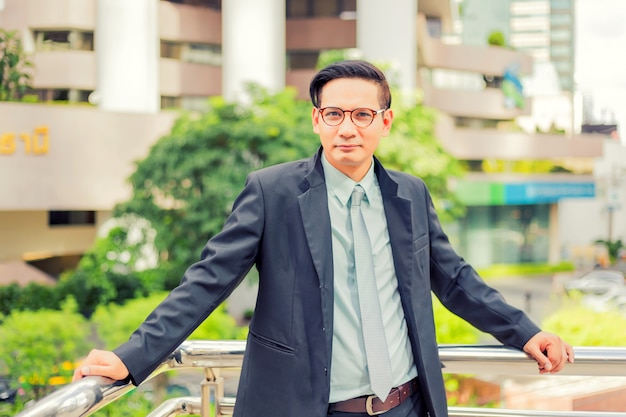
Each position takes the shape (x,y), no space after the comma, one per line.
(368,406)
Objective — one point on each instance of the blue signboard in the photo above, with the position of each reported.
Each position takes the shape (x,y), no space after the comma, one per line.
(547,192)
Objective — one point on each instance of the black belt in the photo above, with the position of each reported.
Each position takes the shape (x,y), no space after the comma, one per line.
(372,405)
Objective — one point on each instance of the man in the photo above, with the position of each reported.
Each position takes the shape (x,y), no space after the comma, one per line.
(306,353)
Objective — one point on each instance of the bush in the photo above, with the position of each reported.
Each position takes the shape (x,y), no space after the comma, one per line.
(35,345)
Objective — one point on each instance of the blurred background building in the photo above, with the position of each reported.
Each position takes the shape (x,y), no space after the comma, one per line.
(111,76)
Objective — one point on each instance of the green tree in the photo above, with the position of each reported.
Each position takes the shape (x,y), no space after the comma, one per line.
(114,323)
(36,344)
(186,185)
(496,38)
(14,65)
(115,269)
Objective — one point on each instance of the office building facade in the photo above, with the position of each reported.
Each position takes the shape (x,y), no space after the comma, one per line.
(111,75)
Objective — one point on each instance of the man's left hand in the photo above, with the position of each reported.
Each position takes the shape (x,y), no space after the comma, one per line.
(550,352)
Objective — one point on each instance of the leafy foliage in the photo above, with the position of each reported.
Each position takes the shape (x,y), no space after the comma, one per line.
(118,267)
(613,247)
(581,326)
(186,185)
(114,323)
(451,328)
(496,38)
(34,344)
(14,75)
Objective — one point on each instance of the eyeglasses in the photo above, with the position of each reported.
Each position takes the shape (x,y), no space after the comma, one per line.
(361,117)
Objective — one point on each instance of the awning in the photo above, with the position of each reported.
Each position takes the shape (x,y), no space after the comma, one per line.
(21,273)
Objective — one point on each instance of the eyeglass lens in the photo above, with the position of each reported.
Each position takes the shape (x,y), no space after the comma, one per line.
(361,117)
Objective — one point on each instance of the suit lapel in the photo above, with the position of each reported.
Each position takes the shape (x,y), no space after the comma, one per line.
(313,204)
(398,213)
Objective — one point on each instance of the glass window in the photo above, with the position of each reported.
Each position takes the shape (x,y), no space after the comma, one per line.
(505,234)
(63,40)
(200,104)
(170,50)
(298,8)
(212,4)
(561,4)
(202,54)
(433,24)
(71,218)
(170,102)
(325,8)
(320,8)
(560,19)
(302,60)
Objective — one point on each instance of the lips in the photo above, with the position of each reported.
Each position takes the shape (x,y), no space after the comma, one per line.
(348,146)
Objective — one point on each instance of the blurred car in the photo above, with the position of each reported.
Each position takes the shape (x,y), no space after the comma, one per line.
(598,281)
(7,394)
(612,300)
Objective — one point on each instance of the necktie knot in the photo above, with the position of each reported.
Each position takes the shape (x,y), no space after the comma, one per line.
(357,196)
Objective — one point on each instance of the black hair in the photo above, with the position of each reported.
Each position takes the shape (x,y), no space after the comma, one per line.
(350,69)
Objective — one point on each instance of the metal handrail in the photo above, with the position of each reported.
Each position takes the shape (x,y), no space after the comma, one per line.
(90,394)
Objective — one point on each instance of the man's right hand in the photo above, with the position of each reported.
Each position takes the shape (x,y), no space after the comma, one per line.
(101,363)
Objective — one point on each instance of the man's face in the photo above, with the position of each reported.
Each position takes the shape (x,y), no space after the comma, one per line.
(347,147)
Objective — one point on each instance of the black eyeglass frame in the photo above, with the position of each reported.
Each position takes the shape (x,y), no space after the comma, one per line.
(343,115)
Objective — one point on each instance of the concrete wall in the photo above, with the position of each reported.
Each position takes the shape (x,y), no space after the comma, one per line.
(71,157)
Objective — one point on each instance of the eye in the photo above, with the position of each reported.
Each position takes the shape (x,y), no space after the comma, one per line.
(333,112)
(363,114)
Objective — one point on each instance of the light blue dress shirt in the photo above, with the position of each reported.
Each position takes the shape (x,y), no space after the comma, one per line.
(348,374)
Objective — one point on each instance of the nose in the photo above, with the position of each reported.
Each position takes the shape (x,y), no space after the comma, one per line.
(347,127)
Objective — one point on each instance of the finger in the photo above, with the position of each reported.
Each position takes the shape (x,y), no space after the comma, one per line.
(570,353)
(100,370)
(543,362)
(77,374)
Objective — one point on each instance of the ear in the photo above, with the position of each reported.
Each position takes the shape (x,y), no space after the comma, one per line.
(387,121)
(315,119)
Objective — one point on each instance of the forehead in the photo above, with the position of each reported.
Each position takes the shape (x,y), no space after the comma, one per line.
(350,93)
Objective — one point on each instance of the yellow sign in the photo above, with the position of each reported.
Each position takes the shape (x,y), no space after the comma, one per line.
(35,144)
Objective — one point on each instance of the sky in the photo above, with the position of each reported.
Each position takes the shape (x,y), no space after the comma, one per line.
(601,56)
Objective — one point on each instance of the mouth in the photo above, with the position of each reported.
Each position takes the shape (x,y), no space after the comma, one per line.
(347,146)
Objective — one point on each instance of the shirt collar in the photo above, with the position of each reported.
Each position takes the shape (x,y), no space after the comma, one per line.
(341,185)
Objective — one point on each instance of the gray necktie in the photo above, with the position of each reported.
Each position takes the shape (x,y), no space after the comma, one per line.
(376,351)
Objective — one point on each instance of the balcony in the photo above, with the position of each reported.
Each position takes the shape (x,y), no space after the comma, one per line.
(478,144)
(65,70)
(84,397)
(61,14)
(179,78)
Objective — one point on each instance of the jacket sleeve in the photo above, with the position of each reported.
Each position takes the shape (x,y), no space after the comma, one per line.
(460,289)
(225,261)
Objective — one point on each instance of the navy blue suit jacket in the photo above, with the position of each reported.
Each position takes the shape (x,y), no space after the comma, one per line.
(280,222)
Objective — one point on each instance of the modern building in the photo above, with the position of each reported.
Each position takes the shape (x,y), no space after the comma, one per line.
(110,76)
(543,29)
